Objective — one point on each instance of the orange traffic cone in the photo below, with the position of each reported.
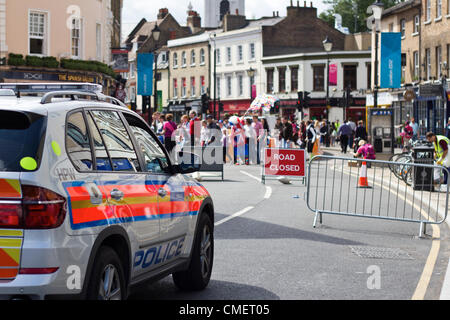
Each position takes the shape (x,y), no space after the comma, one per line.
(363,180)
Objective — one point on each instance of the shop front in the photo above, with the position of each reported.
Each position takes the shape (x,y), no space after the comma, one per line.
(238,107)
(42,75)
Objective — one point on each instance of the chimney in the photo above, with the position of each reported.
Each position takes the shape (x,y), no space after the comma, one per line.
(194,22)
(302,12)
(163,13)
(233,22)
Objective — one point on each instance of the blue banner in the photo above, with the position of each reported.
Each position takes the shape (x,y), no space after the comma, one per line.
(391,60)
(145,74)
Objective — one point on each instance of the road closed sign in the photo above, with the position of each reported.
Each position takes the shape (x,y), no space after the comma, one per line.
(285,162)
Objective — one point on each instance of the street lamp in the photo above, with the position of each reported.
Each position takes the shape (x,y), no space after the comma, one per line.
(251,73)
(156,33)
(328,46)
(377,9)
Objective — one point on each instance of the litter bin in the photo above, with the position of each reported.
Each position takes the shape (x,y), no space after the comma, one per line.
(423,177)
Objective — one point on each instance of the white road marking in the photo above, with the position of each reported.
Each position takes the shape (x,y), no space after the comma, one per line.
(268,193)
(237,214)
(445,293)
(251,176)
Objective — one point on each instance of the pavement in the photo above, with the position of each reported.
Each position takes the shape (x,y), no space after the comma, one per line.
(267,249)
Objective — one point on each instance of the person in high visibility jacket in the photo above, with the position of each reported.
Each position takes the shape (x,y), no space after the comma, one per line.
(441,147)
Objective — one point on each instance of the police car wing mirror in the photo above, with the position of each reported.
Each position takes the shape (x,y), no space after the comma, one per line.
(187,163)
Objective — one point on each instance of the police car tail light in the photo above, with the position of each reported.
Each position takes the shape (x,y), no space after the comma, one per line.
(10,215)
(43,209)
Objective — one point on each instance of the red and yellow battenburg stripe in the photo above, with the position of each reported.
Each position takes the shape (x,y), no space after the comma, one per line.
(141,202)
(10,252)
(10,188)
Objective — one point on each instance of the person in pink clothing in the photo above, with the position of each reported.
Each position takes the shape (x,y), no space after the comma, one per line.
(259,129)
(365,151)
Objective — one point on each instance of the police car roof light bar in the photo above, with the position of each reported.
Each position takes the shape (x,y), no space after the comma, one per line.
(20,88)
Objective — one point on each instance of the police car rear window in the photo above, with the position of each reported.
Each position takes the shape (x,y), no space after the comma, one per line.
(21,140)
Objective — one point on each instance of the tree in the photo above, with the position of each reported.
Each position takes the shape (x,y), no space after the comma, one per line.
(353,12)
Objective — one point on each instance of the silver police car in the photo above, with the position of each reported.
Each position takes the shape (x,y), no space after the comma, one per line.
(91,204)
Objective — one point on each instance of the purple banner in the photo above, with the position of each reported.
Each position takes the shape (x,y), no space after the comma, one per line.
(333,75)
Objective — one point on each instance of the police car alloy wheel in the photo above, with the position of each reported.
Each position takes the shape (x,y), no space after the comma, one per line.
(107,280)
(198,275)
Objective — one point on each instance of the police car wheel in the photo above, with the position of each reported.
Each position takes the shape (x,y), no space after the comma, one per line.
(107,279)
(198,275)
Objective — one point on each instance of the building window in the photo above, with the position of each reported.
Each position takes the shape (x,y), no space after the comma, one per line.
(252,51)
(428,64)
(193,58)
(132,71)
(391,27)
(228,55)
(428,11)
(175,60)
(229,87)
(416,66)
(369,75)
(183,87)
(281,79)
(417,23)
(183,59)
(175,88)
(350,79)
(98,33)
(241,85)
(202,56)
(438,62)
(218,56)
(270,80)
(438,9)
(294,79)
(193,86)
(403,27)
(37,33)
(76,38)
(203,85)
(218,86)
(318,78)
(240,56)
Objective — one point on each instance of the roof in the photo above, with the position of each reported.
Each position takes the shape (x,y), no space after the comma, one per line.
(264,21)
(401,7)
(145,31)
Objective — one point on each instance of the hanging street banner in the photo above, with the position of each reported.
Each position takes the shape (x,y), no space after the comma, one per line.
(333,75)
(391,60)
(145,74)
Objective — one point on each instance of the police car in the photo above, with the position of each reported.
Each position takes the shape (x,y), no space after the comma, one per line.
(90,203)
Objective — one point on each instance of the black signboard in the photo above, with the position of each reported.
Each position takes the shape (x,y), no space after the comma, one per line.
(430,90)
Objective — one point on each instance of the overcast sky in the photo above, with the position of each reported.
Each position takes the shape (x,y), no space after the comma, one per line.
(135,10)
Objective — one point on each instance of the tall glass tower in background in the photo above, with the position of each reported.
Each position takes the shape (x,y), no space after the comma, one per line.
(213,15)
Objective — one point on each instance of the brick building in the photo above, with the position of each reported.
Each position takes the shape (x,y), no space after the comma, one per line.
(425,29)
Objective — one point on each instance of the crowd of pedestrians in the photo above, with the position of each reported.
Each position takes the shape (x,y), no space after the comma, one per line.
(244,139)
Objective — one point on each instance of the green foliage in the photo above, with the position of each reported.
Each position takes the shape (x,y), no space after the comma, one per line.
(52,62)
(16,60)
(93,66)
(353,12)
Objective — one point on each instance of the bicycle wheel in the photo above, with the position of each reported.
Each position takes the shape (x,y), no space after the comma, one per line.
(395,158)
(409,176)
(399,168)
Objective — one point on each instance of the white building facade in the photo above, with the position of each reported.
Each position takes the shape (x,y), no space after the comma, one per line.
(285,76)
(238,52)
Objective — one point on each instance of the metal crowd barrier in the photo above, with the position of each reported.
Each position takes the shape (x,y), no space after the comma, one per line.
(211,159)
(333,188)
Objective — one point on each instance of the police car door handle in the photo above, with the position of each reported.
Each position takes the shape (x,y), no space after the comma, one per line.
(117,195)
(162,193)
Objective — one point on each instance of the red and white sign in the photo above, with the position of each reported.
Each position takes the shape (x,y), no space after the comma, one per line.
(285,162)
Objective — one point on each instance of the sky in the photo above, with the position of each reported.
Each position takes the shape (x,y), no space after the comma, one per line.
(135,10)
